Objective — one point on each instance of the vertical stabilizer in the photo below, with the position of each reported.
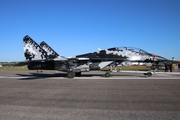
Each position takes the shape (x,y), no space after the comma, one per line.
(49,50)
(32,51)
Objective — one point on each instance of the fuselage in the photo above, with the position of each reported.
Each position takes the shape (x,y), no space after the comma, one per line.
(44,57)
(119,55)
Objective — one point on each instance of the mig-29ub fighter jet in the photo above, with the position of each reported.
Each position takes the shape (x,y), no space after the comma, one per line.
(44,57)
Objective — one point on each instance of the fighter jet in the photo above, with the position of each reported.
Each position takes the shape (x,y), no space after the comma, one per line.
(44,57)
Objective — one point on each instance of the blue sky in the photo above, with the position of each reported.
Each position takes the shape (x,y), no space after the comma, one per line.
(74,27)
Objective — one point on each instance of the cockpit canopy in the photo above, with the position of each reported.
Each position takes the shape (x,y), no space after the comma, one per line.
(133,49)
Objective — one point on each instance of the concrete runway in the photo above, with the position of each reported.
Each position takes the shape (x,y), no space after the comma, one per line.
(51,96)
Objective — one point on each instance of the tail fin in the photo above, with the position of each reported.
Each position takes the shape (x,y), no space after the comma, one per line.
(32,51)
(49,50)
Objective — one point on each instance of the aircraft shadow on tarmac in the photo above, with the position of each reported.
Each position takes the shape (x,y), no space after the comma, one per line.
(35,76)
(32,76)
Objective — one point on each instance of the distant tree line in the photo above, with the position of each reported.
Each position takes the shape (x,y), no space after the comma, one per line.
(7,63)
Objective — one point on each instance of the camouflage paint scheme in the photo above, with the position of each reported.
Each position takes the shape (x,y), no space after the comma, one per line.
(48,49)
(32,50)
(44,57)
(123,54)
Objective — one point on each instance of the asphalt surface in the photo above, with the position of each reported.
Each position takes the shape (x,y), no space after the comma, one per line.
(52,96)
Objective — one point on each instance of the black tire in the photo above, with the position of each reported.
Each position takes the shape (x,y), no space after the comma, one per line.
(107,74)
(149,74)
(71,74)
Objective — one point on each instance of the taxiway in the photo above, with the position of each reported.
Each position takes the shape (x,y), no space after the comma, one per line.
(49,95)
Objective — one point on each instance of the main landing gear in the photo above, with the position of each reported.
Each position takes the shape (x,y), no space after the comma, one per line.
(72,74)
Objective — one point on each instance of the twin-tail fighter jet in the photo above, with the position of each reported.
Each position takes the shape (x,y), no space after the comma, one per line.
(44,57)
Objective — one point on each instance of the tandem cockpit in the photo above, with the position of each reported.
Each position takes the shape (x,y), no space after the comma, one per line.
(132,49)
